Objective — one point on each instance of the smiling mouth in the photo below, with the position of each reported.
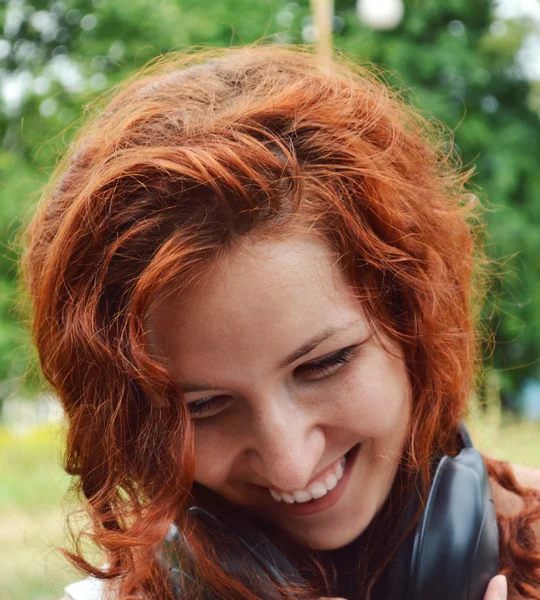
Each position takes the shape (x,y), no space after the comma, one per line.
(322,493)
(317,489)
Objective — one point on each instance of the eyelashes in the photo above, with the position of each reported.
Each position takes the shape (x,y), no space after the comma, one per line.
(207,407)
(311,372)
(326,365)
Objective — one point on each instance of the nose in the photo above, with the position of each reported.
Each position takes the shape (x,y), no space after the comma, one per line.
(286,445)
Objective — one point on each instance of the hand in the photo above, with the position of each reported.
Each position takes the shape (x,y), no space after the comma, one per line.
(497,589)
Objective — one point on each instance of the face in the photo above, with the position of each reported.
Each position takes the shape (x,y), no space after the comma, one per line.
(300,413)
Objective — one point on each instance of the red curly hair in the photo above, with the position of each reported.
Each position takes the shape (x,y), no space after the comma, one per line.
(188,157)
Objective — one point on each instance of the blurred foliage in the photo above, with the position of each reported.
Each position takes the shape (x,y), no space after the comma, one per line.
(456,58)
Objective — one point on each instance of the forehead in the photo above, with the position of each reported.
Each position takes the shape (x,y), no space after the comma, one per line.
(266,294)
(265,273)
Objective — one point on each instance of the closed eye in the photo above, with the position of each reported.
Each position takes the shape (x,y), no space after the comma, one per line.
(312,371)
(327,365)
(208,407)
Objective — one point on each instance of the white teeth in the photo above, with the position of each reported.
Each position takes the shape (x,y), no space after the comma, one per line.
(316,490)
(275,496)
(302,496)
(331,481)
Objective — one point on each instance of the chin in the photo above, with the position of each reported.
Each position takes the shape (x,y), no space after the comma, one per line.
(329,536)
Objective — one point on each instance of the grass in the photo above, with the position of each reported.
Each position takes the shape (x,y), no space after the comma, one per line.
(33,507)
(32,514)
(515,441)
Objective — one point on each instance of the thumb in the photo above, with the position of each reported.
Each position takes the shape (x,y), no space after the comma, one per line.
(497,589)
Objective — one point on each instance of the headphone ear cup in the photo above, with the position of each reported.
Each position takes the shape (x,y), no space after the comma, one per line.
(453,551)
(456,550)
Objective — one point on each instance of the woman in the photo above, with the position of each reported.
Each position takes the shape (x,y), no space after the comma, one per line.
(252,284)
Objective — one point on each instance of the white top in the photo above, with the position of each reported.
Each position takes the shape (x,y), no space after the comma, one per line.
(87,589)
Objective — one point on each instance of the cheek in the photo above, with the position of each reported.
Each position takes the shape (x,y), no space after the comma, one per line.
(375,398)
(218,448)
(212,456)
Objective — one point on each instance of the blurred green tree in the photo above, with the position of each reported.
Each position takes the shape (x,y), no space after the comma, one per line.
(456,58)
(461,62)
(55,56)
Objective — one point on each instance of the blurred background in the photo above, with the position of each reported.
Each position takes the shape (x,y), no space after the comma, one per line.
(472,64)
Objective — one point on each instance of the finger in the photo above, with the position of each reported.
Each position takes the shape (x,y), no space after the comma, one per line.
(497,589)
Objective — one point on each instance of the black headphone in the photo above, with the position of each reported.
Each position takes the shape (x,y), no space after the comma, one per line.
(451,554)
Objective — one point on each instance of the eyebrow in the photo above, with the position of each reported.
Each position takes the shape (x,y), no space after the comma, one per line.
(304,349)
(310,345)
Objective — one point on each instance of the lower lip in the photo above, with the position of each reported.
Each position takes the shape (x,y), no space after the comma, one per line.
(312,507)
